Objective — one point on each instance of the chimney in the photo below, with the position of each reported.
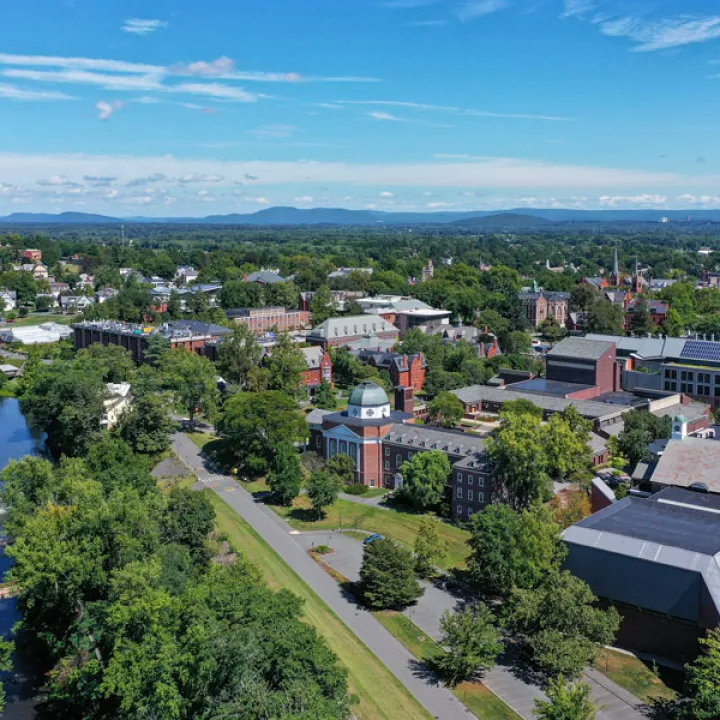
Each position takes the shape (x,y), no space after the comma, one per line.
(404,399)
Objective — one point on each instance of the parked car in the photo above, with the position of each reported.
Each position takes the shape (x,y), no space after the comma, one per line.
(372,538)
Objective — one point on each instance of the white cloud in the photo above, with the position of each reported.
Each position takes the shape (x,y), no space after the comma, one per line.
(154,178)
(13,92)
(704,200)
(274,131)
(386,194)
(106,109)
(111,194)
(479,8)
(663,33)
(444,108)
(139,26)
(644,200)
(305,199)
(216,90)
(84,77)
(80,63)
(578,7)
(99,180)
(221,66)
(200,178)
(384,116)
(437,205)
(58,181)
(258,200)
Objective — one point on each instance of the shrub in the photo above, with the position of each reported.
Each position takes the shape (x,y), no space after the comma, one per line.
(355,489)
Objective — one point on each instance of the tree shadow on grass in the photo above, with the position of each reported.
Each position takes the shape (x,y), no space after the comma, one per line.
(220,456)
(307,515)
(663,709)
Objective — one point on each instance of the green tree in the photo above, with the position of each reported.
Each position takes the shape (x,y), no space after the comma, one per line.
(114,362)
(66,401)
(147,426)
(641,323)
(322,305)
(515,343)
(551,331)
(256,424)
(343,467)
(322,490)
(425,478)
(387,576)
(522,407)
(510,549)
(193,379)
(583,296)
(43,303)
(285,477)
(471,643)
(567,451)
(493,321)
(6,650)
(566,701)
(158,346)
(560,623)
(238,355)
(324,397)
(673,325)
(606,318)
(286,366)
(702,682)
(188,520)
(446,410)
(519,461)
(430,549)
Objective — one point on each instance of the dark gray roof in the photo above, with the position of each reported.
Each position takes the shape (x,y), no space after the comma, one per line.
(197,327)
(265,277)
(675,518)
(557,388)
(581,348)
(587,408)
(422,437)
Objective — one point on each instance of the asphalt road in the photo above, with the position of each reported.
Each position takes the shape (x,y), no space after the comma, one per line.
(438,700)
(612,701)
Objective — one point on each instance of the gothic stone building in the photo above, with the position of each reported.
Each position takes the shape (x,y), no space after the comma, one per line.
(380,440)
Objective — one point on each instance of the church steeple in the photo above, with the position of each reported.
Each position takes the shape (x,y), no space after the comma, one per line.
(616,268)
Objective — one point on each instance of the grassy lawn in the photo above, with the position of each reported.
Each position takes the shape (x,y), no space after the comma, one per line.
(215,449)
(638,678)
(40,318)
(400,526)
(381,696)
(482,702)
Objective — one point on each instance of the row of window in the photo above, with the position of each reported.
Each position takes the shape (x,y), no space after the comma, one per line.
(690,389)
(689,376)
(471,479)
(470,495)
(459,510)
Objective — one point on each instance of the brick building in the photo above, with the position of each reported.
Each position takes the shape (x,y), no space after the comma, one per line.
(540,305)
(319,367)
(381,440)
(260,320)
(186,334)
(405,370)
(32,255)
(337,332)
(657,308)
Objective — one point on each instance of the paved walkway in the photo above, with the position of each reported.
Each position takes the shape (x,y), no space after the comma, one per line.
(613,702)
(438,700)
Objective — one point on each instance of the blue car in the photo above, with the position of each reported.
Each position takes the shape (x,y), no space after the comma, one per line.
(372,538)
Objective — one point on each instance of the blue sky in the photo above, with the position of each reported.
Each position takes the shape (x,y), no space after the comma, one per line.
(176,108)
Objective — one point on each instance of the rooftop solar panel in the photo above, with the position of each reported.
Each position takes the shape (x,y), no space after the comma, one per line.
(701,350)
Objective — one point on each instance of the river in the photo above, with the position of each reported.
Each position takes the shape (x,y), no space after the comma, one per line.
(16,441)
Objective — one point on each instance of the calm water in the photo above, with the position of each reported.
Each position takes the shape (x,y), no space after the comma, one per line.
(16,441)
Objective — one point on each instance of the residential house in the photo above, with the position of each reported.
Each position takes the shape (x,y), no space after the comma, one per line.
(186,275)
(319,367)
(32,255)
(118,402)
(404,370)
(72,304)
(265,277)
(8,299)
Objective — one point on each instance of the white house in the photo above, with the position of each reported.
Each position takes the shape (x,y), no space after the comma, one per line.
(118,401)
(9,299)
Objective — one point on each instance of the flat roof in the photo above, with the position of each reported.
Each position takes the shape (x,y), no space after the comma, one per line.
(689,461)
(581,348)
(674,518)
(549,387)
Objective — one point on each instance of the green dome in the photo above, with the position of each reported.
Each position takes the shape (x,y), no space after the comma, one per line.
(368,394)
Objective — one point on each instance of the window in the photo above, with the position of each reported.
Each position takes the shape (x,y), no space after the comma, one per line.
(352,450)
(459,477)
(481,498)
(387,451)
(458,509)
(410,456)
(683,375)
(458,492)
(481,482)
(387,464)
(674,374)
(343,447)
(470,494)
(470,479)
(398,461)
(470,512)
(667,385)
(333,447)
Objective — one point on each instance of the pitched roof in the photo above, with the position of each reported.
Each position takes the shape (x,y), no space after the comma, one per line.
(313,356)
(352,326)
(265,277)
(581,348)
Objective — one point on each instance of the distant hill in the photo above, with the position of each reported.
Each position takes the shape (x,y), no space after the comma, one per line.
(65,217)
(502,221)
(469,220)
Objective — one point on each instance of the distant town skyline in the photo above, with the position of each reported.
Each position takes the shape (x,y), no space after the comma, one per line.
(174,108)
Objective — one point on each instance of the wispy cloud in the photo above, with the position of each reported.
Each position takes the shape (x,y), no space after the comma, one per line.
(106,109)
(446,109)
(139,26)
(274,131)
(479,8)
(644,200)
(578,7)
(664,33)
(109,81)
(380,115)
(16,93)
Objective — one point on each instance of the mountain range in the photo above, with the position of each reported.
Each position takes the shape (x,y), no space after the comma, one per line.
(516,218)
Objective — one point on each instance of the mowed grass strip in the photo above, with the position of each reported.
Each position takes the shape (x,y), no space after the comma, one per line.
(481,701)
(638,678)
(398,525)
(381,696)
